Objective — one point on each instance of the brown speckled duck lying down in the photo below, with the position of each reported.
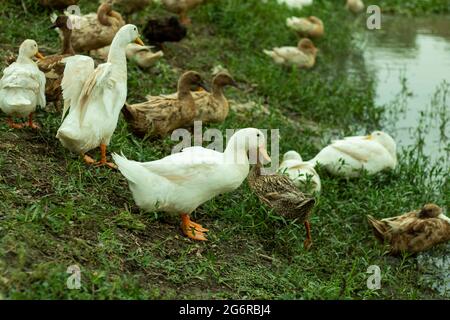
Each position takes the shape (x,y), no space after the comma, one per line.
(414,231)
(160,115)
(279,193)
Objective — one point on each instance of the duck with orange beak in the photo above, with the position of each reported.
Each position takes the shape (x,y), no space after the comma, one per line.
(93,98)
(22,86)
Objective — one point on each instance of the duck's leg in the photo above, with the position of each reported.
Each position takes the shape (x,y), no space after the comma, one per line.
(12,124)
(184,19)
(308,242)
(30,122)
(191,229)
(103,161)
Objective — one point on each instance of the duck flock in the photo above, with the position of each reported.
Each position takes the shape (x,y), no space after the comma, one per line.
(91,98)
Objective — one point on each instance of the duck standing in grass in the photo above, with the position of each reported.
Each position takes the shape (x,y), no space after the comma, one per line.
(311,27)
(302,173)
(302,56)
(349,156)
(22,86)
(179,183)
(94,98)
(414,231)
(279,193)
(95,30)
(160,115)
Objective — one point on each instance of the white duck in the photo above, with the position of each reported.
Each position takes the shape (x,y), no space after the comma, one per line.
(302,173)
(347,157)
(22,86)
(296,4)
(95,97)
(181,182)
(302,56)
(311,27)
(355,6)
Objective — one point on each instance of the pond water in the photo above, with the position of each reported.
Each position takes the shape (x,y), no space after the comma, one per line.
(410,58)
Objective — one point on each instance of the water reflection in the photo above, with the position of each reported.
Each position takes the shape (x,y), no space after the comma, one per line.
(410,58)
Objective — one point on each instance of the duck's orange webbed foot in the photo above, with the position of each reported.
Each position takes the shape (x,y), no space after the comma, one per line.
(14,125)
(31,124)
(191,229)
(308,241)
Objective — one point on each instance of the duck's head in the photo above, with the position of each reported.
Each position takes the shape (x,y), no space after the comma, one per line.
(128,34)
(430,210)
(223,79)
(307,46)
(252,141)
(385,140)
(191,81)
(292,155)
(29,49)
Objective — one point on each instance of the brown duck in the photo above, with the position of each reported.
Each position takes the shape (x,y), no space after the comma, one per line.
(414,231)
(213,106)
(52,65)
(160,115)
(279,193)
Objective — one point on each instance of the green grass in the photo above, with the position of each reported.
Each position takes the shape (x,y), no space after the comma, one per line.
(56,212)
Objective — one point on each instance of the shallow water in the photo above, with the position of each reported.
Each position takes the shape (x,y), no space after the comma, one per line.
(410,58)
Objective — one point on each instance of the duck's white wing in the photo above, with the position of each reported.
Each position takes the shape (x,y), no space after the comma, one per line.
(287,52)
(359,149)
(77,70)
(41,97)
(185,165)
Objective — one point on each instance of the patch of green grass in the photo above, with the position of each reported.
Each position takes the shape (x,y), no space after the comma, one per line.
(56,212)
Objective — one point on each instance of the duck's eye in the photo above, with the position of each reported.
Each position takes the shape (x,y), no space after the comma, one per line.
(257,135)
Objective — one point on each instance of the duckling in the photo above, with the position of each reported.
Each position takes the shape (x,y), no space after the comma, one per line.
(181,7)
(300,172)
(160,115)
(58,4)
(52,66)
(214,107)
(95,30)
(414,231)
(303,56)
(280,193)
(22,86)
(142,55)
(158,31)
(355,6)
(311,27)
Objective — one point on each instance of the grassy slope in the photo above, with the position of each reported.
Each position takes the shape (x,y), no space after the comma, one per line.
(55,212)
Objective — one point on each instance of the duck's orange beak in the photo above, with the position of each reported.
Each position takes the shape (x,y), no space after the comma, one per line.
(139,41)
(263,153)
(39,55)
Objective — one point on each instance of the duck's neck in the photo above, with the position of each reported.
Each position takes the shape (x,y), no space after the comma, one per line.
(217,91)
(67,43)
(235,152)
(117,54)
(24,59)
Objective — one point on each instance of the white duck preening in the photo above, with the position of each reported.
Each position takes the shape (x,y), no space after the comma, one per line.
(347,157)
(302,173)
(22,86)
(181,182)
(94,97)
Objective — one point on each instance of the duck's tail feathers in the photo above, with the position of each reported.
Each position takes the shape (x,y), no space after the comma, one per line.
(125,166)
(379,228)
